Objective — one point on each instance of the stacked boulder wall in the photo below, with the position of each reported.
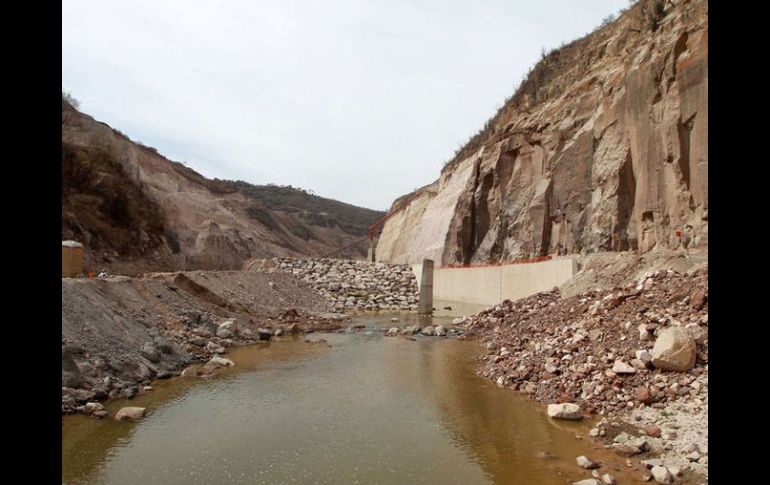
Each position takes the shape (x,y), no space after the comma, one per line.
(604,147)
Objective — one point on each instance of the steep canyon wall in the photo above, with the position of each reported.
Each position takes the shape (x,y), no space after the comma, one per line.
(603,148)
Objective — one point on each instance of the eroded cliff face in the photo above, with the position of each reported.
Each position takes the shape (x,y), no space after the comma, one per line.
(604,147)
(188,221)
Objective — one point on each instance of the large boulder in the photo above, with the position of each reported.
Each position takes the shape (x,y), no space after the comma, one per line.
(220,362)
(130,413)
(674,350)
(564,411)
(149,352)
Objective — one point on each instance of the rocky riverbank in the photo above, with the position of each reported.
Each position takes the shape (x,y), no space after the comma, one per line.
(121,333)
(638,355)
(351,285)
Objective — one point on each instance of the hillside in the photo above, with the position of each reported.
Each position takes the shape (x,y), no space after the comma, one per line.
(137,211)
(603,147)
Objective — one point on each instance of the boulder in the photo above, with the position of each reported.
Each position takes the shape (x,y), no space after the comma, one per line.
(564,411)
(662,475)
(440,330)
(428,330)
(130,413)
(644,395)
(674,350)
(150,352)
(652,430)
(621,367)
(264,333)
(214,348)
(220,361)
(588,481)
(92,407)
(586,463)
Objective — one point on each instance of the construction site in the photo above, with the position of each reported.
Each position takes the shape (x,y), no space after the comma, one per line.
(537,314)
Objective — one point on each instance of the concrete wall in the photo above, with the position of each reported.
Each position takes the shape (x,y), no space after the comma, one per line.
(489,285)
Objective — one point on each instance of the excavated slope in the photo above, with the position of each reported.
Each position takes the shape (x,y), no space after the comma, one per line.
(604,147)
(137,211)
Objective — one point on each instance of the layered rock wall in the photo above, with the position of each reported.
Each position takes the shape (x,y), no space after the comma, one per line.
(605,150)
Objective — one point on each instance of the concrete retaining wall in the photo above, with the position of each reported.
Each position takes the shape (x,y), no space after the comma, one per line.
(489,285)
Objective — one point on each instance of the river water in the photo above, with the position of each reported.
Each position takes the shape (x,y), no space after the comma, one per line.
(359,409)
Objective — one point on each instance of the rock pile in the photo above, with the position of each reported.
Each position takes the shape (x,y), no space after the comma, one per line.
(604,350)
(357,285)
(636,354)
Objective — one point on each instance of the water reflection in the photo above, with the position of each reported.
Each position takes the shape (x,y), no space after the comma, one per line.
(370,409)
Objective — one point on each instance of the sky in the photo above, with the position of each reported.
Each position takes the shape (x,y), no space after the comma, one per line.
(359,101)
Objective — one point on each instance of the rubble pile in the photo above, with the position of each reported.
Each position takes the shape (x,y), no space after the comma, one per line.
(359,285)
(607,351)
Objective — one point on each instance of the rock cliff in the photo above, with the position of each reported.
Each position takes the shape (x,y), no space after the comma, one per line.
(603,147)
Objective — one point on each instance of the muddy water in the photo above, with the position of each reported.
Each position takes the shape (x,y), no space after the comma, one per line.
(364,409)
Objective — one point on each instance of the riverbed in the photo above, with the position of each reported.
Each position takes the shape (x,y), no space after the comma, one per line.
(359,408)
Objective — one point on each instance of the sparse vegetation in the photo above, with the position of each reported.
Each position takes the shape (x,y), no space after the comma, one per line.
(103,206)
(308,208)
(68,97)
(607,20)
(534,87)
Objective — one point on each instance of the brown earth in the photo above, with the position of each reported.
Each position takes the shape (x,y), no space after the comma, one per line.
(135,210)
(604,147)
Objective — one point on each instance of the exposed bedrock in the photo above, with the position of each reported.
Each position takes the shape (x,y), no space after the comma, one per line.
(609,152)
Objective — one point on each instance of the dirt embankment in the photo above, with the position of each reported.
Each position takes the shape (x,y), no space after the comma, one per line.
(636,354)
(120,333)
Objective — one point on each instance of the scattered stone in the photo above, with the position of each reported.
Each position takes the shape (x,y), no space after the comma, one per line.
(565,411)
(220,361)
(130,413)
(149,352)
(214,348)
(608,479)
(621,367)
(92,407)
(586,463)
(652,430)
(662,475)
(652,462)
(674,350)
(644,395)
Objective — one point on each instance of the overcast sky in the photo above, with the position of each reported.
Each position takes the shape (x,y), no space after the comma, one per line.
(361,101)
